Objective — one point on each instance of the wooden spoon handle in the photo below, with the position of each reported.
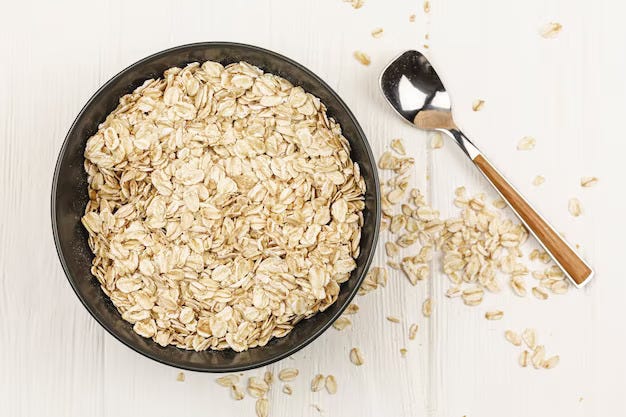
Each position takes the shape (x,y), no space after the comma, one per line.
(572,264)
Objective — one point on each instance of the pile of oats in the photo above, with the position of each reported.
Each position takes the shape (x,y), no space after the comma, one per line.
(224,207)
(479,246)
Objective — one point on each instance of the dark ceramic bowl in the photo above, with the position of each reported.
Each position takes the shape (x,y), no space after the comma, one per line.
(69,199)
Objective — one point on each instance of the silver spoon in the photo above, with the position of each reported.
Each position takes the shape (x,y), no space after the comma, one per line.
(415,91)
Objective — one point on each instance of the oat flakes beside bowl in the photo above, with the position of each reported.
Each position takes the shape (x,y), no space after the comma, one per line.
(215,206)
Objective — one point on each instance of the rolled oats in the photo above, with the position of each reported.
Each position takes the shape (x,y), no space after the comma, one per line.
(262,407)
(538,180)
(377,33)
(288,374)
(331,384)
(317,383)
(574,207)
(224,207)
(526,143)
(362,57)
(551,29)
(588,181)
(478,105)
(494,315)
(356,357)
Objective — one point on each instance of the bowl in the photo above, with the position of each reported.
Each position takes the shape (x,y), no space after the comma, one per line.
(69,199)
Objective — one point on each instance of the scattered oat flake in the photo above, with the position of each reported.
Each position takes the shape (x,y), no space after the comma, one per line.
(526,143)
(331,384)
(540,293)
(287,389)
(356,357)
(288,374)
(391,249)
(537,356)
(262,407)
(180,377)
(317,383)
(523,359)
(513,337)
(518,287)
(478,105)
(357,4)
(551,362)
(228,380)
(436,140)
(268,377)
(551,29)
(538,180)
(398,146)
(426,6)
(412,18)
(341,323)
(317,408)
(403,352)
(427,307)
(494,315)
(362,57)
(413,331)
(529,337)
(499,203)
(574,207)
(377,33)
(588,181)
(236,393)
(393,319)
(351,309)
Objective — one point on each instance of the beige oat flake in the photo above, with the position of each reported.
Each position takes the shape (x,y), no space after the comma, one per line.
(331,384)
(494,315)
(362,57)
(513,337)
(538,180)
(341,323)
(398,146)
(262,407)
(427,307)
(356,357)
(551,29)
(529,337)
(393,319)
(436,140)
(526,143)
(288,374)
(587,182)
(478,104)
(574,207)
(377,33)
(317,383)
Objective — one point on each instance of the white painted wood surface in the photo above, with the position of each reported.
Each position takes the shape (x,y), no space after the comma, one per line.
(567,92)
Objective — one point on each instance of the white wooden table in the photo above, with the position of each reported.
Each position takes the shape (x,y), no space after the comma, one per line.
(567,92)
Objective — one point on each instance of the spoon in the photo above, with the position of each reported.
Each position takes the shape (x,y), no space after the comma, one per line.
(416,93)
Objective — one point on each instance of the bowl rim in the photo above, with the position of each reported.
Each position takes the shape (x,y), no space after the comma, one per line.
(311,337)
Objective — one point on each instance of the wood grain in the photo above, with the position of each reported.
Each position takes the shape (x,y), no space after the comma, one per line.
(573,265)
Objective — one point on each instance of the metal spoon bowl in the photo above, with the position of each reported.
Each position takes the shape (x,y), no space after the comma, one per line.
(415,91)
